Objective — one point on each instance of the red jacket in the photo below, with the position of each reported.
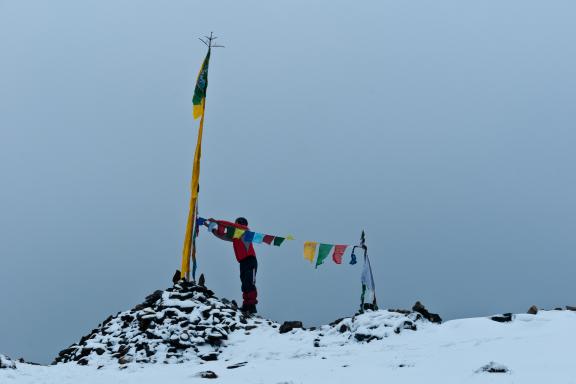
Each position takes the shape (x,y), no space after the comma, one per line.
(242,249)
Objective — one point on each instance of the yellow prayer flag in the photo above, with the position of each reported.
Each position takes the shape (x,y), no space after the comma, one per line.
(289,237)
(310,250)
(238,233)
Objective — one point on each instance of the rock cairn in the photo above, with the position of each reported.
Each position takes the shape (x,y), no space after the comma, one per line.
(6,362)
(182,323)
(372,325)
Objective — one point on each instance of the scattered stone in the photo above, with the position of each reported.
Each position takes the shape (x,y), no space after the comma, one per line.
(432,317)
(290,325)
(207,375)
(237,365)
(6,362)
(504,318)
(493,367)
(21,360)
(533,310)
(210,356)
(570,308)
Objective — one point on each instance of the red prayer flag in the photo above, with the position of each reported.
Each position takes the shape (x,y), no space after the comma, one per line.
(338,253)
(268,239)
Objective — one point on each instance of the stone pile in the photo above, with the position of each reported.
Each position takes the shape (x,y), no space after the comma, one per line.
(6,362)
(182,323)
(372,325)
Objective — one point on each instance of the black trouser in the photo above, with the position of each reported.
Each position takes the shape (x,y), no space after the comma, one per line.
(248,268)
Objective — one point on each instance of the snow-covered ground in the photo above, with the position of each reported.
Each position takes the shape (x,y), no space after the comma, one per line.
(533,348)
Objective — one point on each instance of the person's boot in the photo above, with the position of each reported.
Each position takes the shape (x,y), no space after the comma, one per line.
(248,309)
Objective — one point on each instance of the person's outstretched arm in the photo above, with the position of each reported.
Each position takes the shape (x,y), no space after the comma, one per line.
(220,230)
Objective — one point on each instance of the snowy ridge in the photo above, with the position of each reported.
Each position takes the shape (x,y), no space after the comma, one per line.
(525,348)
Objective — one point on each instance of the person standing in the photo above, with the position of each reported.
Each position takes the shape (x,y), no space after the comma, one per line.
(246,256)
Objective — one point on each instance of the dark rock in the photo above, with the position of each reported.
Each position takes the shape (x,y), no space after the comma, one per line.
(124,360)
(406,325)
(149,301)
(68,350)
(493,367)
(207,375)
(570,308)
(202,280)
(85,352)
(21,360)
(82,361)
(176,277)
(343,328)
(432,317)
(237,365)
(362,337)
(532,310)
(335,322)
(402,311)
(504,318)
(210,356)
(290,325)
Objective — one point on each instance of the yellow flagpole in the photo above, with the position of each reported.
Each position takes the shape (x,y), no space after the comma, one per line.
(189,248)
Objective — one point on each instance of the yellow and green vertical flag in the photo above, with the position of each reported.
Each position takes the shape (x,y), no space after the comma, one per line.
(199,105)
(200,90)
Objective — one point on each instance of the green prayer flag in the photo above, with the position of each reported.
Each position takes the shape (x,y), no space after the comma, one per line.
(323,252)
(230,232)
(278,241)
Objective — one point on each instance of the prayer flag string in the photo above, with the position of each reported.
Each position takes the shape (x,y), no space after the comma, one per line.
(312,249)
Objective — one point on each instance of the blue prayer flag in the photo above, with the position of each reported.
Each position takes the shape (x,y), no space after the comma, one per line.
(248,236)
(258,238)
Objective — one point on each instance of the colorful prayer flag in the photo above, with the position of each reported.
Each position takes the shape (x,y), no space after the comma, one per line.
(338,253)
(238,233)
(258,238)
(310,250)
(278,241)
(289,237)
(323,252)
(230,231)
(268,239)
(248,236)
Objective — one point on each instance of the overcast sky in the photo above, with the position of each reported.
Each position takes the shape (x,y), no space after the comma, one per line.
(445,129)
